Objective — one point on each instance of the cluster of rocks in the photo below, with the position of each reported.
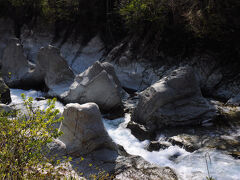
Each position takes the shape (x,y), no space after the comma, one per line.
(173,100)
(98,83)
(85,135)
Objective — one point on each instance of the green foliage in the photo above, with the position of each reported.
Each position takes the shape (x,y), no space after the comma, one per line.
(213,19)
(205,18)
(138,13)
(73,16)
(181,25)
(23,141)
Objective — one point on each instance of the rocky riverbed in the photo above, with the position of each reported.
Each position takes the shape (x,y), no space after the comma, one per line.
(185,150)
(144,120)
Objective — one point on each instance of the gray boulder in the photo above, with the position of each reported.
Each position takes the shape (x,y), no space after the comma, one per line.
(53,67)
(6,108)
(172,101)
(83,129)
(85,136)
(121,167)
(98,84)
(234,100)
(17,71)
(5,96)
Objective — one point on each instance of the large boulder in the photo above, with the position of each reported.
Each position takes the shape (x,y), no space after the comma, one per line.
(5,96)
(172,101)
(58,76)
(83,129)
(98,84)
(85,136)
(17,71)
(6,108)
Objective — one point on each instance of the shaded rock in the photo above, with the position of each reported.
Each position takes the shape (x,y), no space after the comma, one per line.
(224,143)
(189,142)
(5,108)
(97,84)
(156,146)
(53,67)
(174,156)
(85,136)
(234,100)
(235,154)
(174,100)
(83,130)
(207,72)
(17,71)
(228,89)
(139,131)
(5,96)
(111,71)
(135,167)
(56,148)
(124,167)
(40,98)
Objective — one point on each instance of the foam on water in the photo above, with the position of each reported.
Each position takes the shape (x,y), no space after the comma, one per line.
(17,99)
(189,166)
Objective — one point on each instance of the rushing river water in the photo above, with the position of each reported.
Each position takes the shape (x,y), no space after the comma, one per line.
(189,166)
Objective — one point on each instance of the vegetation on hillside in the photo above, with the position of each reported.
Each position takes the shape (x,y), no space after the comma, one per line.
(186,24)
(172,26)
(87,18)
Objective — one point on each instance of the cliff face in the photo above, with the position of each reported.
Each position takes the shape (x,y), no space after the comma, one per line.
(138,64)
(78,55)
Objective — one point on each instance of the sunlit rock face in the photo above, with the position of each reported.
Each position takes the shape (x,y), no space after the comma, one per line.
(97,84)
(83,129)
(174,100)
(58,76)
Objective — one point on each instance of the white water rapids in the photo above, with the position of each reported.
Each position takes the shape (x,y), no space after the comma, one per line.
(189,166)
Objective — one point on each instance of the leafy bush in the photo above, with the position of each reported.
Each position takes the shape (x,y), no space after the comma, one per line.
(205,18)
(213,19)
(23,141)
(140,13)
(184,25)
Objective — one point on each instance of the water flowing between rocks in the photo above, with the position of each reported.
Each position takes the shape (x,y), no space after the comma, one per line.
(188,165)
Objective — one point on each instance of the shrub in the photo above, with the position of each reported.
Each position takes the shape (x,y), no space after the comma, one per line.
(209,18)
(141,13)
(23,140)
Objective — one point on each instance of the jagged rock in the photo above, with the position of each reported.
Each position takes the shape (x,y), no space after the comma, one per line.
(122,167)
(53,67)
(140,131)
(97,84)
(6,108)
(17,71)
(234,100)
(4,93)
(189,142)
(56,148)
(134,167)
(83,129)
(156,146)
(174,100)
(207,72)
